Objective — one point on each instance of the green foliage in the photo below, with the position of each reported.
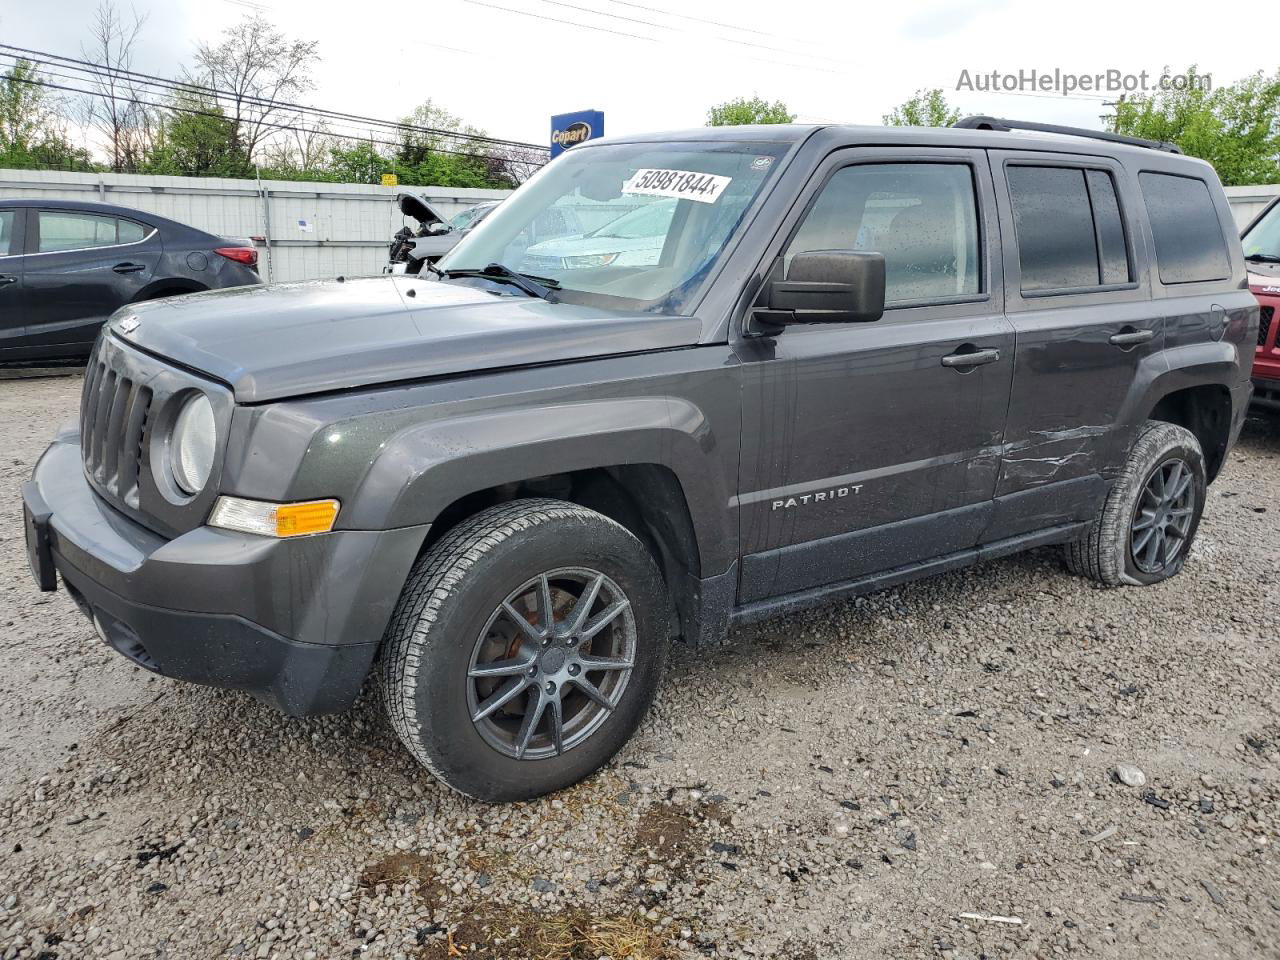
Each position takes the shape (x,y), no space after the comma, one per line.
(1236,128)
(197,140)
(925,108)
(740,111)
(31,133)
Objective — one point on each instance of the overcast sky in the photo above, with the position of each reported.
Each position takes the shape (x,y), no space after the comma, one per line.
(659,64)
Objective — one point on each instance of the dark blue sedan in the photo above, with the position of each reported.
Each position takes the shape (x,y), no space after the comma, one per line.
(66,266)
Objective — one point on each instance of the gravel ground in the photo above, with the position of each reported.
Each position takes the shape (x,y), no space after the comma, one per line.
(844,783)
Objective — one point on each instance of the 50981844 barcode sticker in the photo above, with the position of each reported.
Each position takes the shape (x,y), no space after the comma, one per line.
(684,184)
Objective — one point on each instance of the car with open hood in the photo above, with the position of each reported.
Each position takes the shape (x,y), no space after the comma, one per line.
(842,358)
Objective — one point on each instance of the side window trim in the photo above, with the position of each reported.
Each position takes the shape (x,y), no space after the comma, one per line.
(1084,165)
(982,267)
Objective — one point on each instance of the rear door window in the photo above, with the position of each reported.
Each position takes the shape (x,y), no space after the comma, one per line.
(1189,242)
(1069,230)
(66,230)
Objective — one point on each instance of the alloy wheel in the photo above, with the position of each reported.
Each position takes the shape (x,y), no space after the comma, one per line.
(551,663)
(1162,518)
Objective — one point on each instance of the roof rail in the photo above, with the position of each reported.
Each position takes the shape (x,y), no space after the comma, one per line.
(995,123)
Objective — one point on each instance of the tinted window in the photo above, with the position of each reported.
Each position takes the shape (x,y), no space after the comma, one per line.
(1113,256)
(1056,244)
(1069,229)
(1189,242)
(74,231)
(7,218)
(921,216)
(130,232)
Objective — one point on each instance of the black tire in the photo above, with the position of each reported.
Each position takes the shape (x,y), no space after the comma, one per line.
(1106,553)
(455,598)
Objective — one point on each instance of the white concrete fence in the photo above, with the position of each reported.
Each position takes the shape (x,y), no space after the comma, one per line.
(302,230)
(307,230)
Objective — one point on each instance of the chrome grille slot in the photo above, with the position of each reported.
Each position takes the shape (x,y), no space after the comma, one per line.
(135,429)
(120,402)
(106,395)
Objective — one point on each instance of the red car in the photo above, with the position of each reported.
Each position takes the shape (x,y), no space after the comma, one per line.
(1261,241)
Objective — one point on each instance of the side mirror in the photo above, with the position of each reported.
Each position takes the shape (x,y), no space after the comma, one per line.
(436,229)
(829,286)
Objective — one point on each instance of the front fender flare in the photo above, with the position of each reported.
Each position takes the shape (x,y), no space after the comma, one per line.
(422,469)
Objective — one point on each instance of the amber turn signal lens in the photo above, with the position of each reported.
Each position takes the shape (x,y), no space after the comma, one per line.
(295,519)
(274,519)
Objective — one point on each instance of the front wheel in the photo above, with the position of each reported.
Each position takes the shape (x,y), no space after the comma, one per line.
(1150,518)
(525,649)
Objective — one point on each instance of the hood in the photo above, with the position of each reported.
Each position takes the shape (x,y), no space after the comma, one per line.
(416,206)
(289,339)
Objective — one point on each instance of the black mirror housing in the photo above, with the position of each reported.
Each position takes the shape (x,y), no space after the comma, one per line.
(829,286)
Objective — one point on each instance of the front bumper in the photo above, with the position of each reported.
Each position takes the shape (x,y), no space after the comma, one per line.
(296,622)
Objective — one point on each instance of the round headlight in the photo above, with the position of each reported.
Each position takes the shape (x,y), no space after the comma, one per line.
(192,444)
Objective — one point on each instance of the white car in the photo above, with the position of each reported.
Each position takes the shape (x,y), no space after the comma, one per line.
(634,239)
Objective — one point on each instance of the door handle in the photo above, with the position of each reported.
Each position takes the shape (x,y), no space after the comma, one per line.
(1129,338)
(974,358)
(7,280)
(129,267)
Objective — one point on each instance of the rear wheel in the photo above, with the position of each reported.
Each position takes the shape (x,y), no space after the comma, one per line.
(1151,515)
(525,649)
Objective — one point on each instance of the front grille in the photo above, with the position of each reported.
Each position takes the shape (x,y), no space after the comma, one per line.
(1265,316)
(128,404)
(114,416)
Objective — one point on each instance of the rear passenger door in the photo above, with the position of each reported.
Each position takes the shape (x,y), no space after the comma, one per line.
(11,293)
(1077,292)
(80,268)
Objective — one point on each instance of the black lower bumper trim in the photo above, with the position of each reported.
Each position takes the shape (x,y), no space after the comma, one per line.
(221,650)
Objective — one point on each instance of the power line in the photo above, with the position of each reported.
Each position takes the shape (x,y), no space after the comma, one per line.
(722,39)
(267,124)
(98,70)
(571,23)
(637,36)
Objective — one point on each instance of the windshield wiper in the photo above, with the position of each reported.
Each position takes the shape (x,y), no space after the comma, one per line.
(533,286)
(1263,258)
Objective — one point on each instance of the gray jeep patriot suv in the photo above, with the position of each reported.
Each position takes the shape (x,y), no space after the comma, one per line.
(826,360)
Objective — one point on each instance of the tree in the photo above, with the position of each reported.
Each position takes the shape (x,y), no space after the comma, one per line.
(197,140)
(115,108)
(439,149)
(261,71)
(32,125)
(733,113)
(925,108)
(1236,128)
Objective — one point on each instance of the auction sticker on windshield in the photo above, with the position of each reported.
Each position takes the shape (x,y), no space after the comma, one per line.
(684,184)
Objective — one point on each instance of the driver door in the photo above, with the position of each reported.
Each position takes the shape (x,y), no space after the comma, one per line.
(876,446)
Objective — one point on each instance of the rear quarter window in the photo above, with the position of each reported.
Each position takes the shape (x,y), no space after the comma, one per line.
(1190,247)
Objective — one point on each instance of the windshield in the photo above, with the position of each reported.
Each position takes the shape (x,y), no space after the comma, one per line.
(1264,238)
(635,226)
